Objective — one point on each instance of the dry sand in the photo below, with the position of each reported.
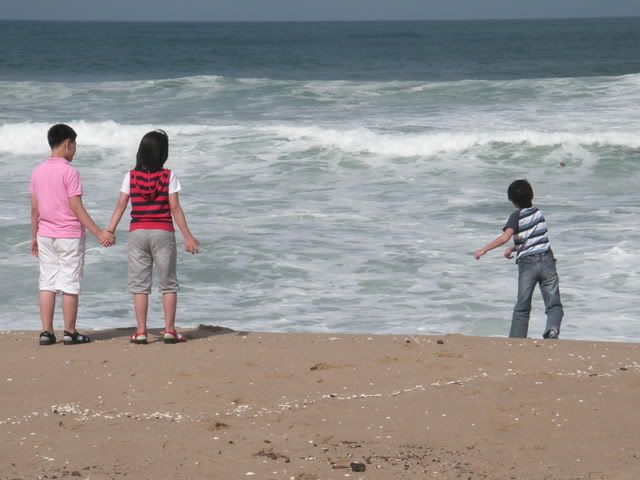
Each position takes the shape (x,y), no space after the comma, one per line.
(231,405)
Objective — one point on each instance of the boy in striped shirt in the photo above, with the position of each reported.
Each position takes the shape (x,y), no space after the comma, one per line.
(536,263)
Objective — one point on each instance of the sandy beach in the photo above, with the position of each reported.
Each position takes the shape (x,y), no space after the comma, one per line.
(233,405)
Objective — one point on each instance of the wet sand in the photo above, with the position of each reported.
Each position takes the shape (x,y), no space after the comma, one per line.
(231,405)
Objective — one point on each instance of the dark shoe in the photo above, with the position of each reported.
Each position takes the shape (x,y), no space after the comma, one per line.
(47,338)
(551,334)
(75,338)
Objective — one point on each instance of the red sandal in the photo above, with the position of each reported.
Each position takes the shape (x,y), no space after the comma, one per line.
(139,338)
(171,336)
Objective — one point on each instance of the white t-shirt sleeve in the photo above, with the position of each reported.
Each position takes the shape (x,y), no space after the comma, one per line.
(174,184)
(126,184)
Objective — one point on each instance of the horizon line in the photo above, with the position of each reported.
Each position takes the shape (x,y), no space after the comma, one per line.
(90,20)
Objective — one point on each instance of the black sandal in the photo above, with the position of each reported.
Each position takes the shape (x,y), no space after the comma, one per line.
(47,338)
(75,338)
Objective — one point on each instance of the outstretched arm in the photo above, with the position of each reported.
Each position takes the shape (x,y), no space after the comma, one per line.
(105,238)
(499,241)
(121,206)
(191,243)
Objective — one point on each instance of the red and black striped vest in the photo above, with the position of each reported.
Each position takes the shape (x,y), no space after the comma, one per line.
(149,193)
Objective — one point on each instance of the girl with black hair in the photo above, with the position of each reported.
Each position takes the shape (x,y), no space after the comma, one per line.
(153,191)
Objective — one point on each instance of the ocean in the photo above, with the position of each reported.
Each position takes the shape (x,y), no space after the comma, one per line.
(340,175)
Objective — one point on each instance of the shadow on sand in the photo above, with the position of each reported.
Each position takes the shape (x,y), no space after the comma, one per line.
(155,334)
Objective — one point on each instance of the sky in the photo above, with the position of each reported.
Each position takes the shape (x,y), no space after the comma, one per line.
(287,10)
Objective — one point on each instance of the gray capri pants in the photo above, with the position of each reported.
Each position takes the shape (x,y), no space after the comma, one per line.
(147,248)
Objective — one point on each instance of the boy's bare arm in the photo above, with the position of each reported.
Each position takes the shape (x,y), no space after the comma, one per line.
(105,238)
(121,206)
(35,215)
(191,243)
(498,242)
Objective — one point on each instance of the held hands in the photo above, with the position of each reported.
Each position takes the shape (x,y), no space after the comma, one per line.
(480,252)
(191,244)
(106,238)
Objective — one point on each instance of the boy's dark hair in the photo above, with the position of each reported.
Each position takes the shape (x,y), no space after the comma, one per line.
(153,151)
(520,193)
(59,133)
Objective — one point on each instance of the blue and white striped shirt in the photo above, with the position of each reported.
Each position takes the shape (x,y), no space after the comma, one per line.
(530,232)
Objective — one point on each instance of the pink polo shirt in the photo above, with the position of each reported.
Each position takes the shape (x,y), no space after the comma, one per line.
(53,182)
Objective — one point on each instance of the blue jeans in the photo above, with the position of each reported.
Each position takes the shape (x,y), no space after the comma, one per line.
(537,269)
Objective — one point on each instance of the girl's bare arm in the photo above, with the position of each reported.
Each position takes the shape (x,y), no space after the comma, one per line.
(121,206)
(191,243)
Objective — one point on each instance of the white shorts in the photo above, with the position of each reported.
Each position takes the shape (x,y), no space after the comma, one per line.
(61,264)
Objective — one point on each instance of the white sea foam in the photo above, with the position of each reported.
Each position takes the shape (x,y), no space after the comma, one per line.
(28,138)
(410,145)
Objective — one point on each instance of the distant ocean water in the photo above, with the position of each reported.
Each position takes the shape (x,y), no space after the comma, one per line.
(340,175)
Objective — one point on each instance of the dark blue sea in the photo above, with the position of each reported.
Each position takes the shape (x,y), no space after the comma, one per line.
(353,51)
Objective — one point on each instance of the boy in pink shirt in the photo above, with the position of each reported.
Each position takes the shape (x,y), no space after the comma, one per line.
(58,221)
